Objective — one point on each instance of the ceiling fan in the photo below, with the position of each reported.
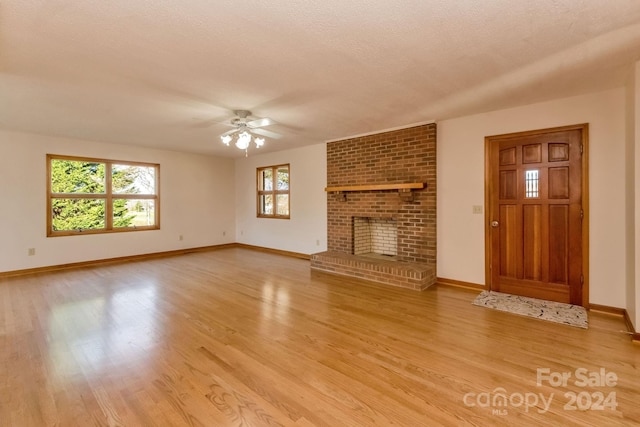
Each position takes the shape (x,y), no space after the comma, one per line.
(246,129)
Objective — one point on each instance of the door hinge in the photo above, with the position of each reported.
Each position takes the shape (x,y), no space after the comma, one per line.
(581,214)
(581,148)
(582,280)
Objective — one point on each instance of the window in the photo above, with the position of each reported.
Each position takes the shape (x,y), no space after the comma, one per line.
(531,181)
(88,196)
(273,192)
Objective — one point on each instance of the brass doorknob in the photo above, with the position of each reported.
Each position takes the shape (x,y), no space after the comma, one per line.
(495,224)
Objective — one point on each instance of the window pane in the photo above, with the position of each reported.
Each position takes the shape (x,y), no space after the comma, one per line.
(133,213)
(77,214)
(283,204)
(531,183)
(72,176)
(129,179)
(273,191)
(266,204)
(283,178)
(265,180)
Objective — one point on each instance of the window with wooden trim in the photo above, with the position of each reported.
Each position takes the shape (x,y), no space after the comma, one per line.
(273,191)
(89,196)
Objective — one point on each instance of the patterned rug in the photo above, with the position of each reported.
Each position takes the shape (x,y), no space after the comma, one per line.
(567,314)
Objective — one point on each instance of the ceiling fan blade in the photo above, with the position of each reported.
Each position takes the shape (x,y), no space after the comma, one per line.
(258,123)
(230,132)
(266,133)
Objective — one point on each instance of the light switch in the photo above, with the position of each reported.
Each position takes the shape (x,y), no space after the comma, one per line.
(477,209)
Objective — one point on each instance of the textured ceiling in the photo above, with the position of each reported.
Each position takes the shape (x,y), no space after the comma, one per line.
(167,73)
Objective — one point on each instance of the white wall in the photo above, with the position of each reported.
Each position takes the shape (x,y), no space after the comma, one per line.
(630,195)
(306,231)
(196,195)
(461,185)
(633,121)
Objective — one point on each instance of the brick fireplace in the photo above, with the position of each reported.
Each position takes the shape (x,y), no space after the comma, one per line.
(386,181)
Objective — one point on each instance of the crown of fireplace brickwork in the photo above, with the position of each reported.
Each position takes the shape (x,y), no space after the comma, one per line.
(396,157)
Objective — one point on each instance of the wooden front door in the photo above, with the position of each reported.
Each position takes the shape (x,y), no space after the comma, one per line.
(535,213)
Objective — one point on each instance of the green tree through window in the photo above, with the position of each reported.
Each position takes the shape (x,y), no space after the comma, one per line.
(273,192)
(90,196)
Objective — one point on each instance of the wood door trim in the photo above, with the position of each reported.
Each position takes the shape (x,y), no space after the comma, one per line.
(488,192)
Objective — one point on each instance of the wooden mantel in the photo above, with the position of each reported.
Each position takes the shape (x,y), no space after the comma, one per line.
(376,187)
(405,190)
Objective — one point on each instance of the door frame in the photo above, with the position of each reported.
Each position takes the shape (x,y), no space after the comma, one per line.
(489,142)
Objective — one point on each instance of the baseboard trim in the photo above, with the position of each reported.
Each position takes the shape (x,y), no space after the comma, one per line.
(460,284)
(616,311)
(608,310)
(274,251)
(635,336)
(141,257)
(116,260)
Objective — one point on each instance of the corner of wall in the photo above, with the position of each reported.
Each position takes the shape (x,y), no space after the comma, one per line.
(633,195)
(305,231)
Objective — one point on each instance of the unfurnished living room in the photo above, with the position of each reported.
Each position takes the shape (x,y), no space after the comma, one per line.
(338,213)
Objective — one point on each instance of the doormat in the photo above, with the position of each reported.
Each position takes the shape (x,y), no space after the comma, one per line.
(567,314)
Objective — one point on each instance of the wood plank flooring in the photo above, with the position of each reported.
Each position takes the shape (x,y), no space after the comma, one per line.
(237,337)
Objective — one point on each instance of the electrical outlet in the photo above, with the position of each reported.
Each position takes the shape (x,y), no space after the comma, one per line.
(318,242)
(31,251)
(224,233)
(180,237)
(477,209)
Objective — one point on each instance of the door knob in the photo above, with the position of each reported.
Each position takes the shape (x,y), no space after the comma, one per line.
(495,224)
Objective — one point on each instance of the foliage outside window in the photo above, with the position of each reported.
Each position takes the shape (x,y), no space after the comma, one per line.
(88,196)
(273,192)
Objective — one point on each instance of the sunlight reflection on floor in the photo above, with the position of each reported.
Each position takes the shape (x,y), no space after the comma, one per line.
(92,335)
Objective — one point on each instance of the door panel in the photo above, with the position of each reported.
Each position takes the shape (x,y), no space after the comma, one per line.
(532,238)
(558,244)
(508,240)
(534,186)
(508,185)
(508,157)
(558,152)
(559,183)
(532,153)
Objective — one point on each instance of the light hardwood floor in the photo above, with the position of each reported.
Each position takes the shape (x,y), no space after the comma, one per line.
(236,337)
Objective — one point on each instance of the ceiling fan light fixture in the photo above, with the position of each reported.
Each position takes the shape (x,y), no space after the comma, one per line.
(243,140)
(247,130)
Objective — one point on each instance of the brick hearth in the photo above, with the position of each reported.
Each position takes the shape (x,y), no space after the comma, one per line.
(398,157)
(412,275)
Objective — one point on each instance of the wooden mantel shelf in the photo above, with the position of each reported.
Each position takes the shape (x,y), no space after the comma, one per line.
(376,187)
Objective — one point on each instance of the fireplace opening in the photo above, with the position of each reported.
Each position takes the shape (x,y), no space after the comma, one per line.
(375,237)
